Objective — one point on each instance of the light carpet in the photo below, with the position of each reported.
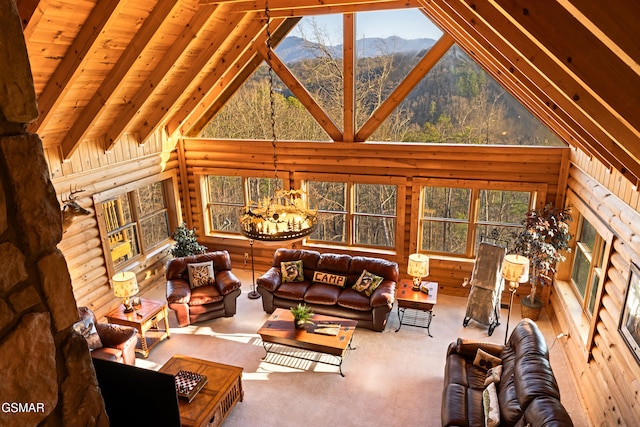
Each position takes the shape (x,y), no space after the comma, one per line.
(391,378)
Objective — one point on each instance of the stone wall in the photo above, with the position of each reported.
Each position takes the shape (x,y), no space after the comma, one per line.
(47,375)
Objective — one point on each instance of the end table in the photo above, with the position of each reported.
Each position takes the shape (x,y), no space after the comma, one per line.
(144,318)
(418,301)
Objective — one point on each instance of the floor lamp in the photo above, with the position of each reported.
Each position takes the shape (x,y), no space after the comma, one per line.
(515,270)
(254,293)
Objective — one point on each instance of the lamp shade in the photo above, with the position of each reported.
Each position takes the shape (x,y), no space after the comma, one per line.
(515,268)
(418,265)
(125,284)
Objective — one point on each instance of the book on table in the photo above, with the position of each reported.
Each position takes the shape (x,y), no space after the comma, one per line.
(327,328)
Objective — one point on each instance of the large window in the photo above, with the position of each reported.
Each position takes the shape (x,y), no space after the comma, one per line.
(226,193)
(355,214)
(136,219)
(587,265)
(454,219)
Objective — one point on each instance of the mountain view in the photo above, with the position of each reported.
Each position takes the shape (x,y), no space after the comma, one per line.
(293,49)
(455,103)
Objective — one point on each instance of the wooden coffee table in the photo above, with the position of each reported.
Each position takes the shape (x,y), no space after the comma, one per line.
(419,302)
(217,398)
(145,319)
(280,330)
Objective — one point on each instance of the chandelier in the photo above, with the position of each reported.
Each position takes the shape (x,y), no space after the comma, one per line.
(285,215)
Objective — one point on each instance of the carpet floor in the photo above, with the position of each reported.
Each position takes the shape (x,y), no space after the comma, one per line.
(391,378)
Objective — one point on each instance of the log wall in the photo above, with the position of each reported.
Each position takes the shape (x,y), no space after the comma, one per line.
(606,373)
(530,165)
(92,170)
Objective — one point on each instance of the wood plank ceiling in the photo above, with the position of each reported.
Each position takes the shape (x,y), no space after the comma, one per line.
(107,68)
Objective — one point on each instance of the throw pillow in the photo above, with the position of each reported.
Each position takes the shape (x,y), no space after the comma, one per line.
(292,271)
(330,279)
(200,273)
(485,360)
(493,375)
(367,283)
(87,329)
(491,408)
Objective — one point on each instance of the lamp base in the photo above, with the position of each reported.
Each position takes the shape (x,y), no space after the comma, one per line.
(253,294)
(128,307)
(416,284)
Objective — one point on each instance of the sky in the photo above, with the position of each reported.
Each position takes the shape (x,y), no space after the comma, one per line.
(407,23)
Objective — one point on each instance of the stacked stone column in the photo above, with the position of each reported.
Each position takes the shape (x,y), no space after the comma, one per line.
(47,375)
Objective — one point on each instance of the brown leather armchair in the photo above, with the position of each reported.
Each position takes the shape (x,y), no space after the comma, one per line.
(117,343)
(195,304)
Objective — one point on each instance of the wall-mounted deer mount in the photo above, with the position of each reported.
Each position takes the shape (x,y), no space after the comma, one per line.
(72,209)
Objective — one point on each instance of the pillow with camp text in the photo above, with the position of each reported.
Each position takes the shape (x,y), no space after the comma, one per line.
(329,279)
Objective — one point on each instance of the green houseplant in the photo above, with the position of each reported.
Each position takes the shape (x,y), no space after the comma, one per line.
(544,237)
(301,315)
(186,242)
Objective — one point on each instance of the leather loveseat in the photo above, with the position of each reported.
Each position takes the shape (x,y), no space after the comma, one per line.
(526,390)
(337,296)
(215,297)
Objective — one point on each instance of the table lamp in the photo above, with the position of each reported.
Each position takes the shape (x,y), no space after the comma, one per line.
(418,268)
(515,270)
(125,286)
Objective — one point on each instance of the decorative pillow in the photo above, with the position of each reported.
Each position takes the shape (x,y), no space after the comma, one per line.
(367,283)
(485,360)
(292,271)
(87,329)
(491,408)
(493,375)
(200,273)
(330,279)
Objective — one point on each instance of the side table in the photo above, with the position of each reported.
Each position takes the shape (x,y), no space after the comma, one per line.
(145,319)
(217,398)
(418,302)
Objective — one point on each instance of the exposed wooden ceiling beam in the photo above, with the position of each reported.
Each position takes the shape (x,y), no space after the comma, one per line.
(231,35)
(348,75)
(330,9)
(581,54)
(131,109)
(30,12)
(301,93)
(417,73)
(73,62)
(91,112)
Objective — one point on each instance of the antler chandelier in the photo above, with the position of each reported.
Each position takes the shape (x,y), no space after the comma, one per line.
(284,216)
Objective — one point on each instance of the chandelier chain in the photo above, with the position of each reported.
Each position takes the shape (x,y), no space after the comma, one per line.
(272,102)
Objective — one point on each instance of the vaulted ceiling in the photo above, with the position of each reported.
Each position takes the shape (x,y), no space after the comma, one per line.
(104,69)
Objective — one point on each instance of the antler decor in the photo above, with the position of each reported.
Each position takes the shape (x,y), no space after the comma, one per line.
(72,209)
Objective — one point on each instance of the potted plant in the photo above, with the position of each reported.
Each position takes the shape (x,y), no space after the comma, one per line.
(301,315)
(186,242)
(544,237)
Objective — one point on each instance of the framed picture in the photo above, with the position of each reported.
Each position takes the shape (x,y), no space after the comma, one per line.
(630,321)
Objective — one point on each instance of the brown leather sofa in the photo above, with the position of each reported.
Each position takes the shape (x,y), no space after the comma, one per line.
(216,299)
(117,343)
(527,392)
(371,312)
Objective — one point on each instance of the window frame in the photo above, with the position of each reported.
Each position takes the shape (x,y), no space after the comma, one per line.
(597,252)
(538,196)
(169,182)
(350,181)
(202,193)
